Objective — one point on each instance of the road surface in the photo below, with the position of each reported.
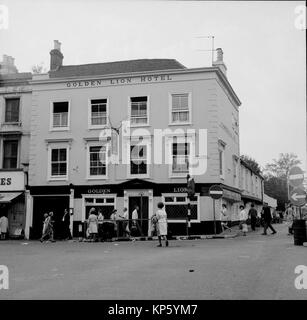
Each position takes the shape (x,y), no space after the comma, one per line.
(251,267)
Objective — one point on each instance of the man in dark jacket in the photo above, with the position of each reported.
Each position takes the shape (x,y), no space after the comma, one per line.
(253,216)
(267,217)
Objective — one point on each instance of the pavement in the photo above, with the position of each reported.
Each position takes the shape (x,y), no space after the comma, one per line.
(252,267)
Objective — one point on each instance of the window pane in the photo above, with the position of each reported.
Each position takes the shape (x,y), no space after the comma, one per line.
(12,110)
(10,154)
(54,155)
(62,153)
(138,99)
(63,168)
(180,102)
(59,107)
(99,112)
(97,160)
(60,114)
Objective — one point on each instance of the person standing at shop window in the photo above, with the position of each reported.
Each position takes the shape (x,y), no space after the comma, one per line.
(4,225)
(162,224)
(125,217)
(93,224)
(114,219)
(100,225)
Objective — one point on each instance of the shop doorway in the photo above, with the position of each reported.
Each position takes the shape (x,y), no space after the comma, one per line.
(45,204)
(142,203)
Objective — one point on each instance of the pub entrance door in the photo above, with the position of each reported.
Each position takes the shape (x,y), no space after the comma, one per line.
(142,203)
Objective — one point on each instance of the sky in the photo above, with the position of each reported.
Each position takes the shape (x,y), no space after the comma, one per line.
(264,50)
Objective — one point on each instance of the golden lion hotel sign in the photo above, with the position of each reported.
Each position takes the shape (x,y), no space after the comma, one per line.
(118,81)
(12,181)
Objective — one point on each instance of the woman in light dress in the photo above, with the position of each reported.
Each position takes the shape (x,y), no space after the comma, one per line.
(92,224)
(243,218)
(161,224)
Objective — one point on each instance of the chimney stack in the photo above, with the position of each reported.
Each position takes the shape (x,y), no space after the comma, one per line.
(7,65)
(56,56)
(219,61)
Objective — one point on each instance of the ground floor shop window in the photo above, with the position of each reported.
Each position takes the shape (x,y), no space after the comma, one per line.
(104,204)
(176,207)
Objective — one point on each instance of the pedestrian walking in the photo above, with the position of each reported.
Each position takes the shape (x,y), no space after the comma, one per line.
(224,217)
(289,218)
(93,224)
(162,224)
(125,217)
(45,226)
(51,226)
(267,218)
(135,227)
(243,217)
(252,214)
(48,229)
(4,226)
(66,226)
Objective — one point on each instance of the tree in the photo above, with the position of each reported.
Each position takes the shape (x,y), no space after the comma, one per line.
(38,68)
(252,163)
(280,167)
(276,175)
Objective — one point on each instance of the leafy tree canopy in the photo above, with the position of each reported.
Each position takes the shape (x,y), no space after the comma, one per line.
(252,163)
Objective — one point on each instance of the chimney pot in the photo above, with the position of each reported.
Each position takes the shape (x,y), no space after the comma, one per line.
(56,56)
(219,53)
(57,45)
(219,61)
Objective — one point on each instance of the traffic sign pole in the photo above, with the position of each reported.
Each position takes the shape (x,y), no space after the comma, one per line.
(214,216)
(215,192)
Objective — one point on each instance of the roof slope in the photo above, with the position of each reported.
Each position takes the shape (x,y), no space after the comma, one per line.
(109,68)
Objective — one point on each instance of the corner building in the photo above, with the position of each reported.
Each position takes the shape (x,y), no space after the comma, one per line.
(15,111)
(73,110)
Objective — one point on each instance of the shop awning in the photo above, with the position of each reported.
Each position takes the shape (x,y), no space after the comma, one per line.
(7,197)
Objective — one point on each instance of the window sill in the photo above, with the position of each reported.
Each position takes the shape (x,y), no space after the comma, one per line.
(179,176)
(98,127)
(59,129)
(58,178)
(139,125)
(140,176)
(180,124)
(15,123)
(97,178)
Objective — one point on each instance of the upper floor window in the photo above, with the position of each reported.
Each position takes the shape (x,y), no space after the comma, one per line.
(12,110)
(10,154)
(97,161)
(98,112)
(60,115)
(139,110)
(221,150)
(138,159)
(59,162)
(180,108)
(235,171)
(180,157)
